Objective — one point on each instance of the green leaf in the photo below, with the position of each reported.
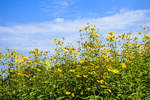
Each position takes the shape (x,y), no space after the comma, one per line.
(39,97)
(60,98)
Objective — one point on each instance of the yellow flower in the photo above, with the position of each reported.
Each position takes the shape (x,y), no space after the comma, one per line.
(90,25)
(81,92)
(96,40)
(109,90)
(37,58)
(104,50)
(85,28)
(145,28)
(20,74)
(146,37)
(88,89)
(55,40)
(104,56)
(72,70)
(25,58)
(73,95)
(85,76)
(77,41)
(90,36)
(127,44)
(135,38)
(47,63)
(123,65)
(110,38)
(37,69)
(20,90)
(74,52)
(92,49)
(73,48)
(113,70)
(8,49)
(1,55)
(67,92)
(91,64)
(95,34)
(60,42)
(93,29)
(140,33)
(22,69)
(89,58)
(6,71)
(80,30)
(100,81)
(81,61)
(58,64)
(85,67)
(97,66)
(110,33)
(59,70)
(36,50)
(78,65)
(129,33)
(19,60)
(78,75)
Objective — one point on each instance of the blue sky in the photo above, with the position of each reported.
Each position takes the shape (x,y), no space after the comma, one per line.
(27,24)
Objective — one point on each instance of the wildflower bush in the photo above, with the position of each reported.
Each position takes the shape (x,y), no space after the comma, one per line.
(99,68)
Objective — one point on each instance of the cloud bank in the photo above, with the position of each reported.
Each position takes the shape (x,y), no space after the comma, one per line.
(40,35)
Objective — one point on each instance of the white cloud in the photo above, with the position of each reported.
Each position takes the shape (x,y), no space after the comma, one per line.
(38,34)
(118,21)
(59,20)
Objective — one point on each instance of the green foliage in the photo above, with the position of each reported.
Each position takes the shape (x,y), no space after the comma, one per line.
(100,68)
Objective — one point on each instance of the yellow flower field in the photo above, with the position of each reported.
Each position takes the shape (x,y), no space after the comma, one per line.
(116,67)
